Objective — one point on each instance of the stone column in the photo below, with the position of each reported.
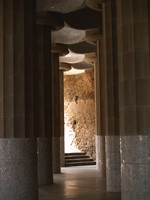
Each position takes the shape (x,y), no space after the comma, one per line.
(56,113)
(43,105)
(112,138)
(62,142)
(96,37)
(100,96)
(43,108)
(18,156)
(134,97)
(57,49)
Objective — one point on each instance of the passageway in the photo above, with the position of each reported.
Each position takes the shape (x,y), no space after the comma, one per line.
(77,183)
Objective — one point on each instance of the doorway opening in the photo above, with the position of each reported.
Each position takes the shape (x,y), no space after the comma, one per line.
(79,110)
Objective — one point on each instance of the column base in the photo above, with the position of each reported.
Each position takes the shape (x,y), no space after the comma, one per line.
(44,151)
(135,167)
(113,165)
(18,169)
(56,155)
(100,155)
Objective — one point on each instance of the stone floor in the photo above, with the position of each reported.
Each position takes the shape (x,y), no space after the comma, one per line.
(77,183)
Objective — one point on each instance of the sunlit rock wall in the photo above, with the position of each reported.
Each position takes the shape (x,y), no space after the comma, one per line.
(80,110)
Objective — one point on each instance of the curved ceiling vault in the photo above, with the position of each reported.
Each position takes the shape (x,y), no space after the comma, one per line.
(79,21)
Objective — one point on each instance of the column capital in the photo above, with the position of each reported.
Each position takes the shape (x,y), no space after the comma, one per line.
(61,49)
(51,19)
(91,36)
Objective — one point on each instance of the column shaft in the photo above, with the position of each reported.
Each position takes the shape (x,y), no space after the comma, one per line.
(18,155)
(112,142)
(100,84)
(17,65)
(43,105)
(134,98)
(62,142)
(56,113)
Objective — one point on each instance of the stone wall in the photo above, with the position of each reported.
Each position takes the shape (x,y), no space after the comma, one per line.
(80,110)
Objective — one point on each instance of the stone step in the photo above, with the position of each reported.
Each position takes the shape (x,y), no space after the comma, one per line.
(75,153)
(80,163)
(78,159)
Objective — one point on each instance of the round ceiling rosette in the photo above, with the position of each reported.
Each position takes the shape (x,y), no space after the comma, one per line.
(62,6)
(68,35)
(82,48)
(82,65)
(72,58)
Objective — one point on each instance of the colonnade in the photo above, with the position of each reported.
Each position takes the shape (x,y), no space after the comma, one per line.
(31,86)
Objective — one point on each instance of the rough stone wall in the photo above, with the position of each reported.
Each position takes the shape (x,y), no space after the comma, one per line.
(80,110)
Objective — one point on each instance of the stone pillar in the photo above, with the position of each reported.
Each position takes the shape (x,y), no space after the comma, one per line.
(62,142)
(100,89)
(43,109)
(43,105)
(18,157)
(134,97)
(56,113)
(112,143)
(58,107)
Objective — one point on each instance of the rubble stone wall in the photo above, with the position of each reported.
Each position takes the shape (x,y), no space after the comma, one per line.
(80,110)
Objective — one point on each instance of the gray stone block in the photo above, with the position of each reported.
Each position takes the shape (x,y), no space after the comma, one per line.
(113,166)
(135,196)
(148,178)
(133,177)
(18,169)
(45,171)
(134,149)
(112,144)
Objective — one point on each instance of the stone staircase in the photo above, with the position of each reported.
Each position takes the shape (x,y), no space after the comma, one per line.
(78,159)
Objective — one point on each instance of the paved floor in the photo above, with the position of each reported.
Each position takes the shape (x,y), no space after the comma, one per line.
(77,183)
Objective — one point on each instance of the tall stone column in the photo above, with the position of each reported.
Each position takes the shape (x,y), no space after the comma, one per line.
(58,104)
(56,113)
(134,97)
(96,37)
(43,95)
(18,156)
(100,96)
(112,138)
(62,142)
(43,105)
(62,67)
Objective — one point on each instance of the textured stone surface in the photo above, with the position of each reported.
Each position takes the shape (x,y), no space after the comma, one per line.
(80,110)
(18,169)
(56,154)
(113,177)
(84,19)
(100,155)
(133,177)
(62,6)
(135,196)
(68,35)
(135,149)
(82,47)
(82,65)
(135,167)
(72,58)
(44,152)
(62,151)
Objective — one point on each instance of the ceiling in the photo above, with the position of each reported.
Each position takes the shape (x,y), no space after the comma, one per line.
(79,17)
